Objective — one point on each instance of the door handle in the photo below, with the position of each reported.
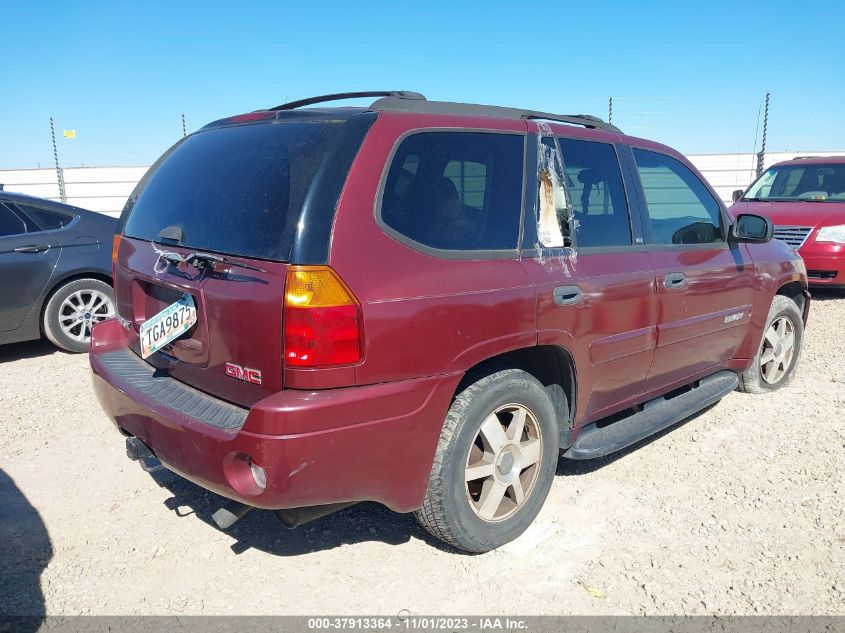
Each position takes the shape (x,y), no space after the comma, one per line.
(33,248)
(567,295)
(674,281)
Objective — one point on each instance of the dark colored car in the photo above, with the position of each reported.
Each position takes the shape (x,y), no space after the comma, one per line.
(423,303)
(55,271)
(805,198)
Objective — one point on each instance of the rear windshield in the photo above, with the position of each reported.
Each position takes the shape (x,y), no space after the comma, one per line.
(234,190)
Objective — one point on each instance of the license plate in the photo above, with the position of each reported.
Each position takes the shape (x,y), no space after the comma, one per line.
(167,325)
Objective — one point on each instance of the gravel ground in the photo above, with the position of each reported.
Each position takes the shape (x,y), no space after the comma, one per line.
(739,510)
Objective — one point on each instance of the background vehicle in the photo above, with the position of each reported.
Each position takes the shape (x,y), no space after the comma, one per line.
(805,198)
(422,303)
(55,266)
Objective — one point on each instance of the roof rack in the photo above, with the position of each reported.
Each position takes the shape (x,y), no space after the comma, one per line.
(804,157)
(407,101)
(397,103)
(398,94)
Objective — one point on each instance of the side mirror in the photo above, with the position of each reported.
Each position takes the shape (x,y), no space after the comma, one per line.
(752,228)
(737,194)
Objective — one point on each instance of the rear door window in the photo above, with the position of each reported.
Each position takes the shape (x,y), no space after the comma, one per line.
(596,193)
(681,210)
(12,222)
(455,191)
(237,190)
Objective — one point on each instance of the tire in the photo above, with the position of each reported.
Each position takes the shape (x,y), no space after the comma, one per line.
(467,515)
(765,377)
(67,322)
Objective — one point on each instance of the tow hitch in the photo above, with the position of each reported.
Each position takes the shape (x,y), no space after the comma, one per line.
(139,452)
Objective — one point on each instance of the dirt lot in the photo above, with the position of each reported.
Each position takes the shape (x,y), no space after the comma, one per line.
(738,510)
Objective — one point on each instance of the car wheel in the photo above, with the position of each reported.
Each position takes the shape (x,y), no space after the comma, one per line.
(777,359)
(74,309)
(494,463)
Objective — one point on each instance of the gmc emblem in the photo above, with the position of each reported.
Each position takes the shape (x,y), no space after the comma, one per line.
(243,373)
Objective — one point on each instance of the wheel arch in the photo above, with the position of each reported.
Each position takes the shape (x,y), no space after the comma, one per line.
(552,365)
(795,290)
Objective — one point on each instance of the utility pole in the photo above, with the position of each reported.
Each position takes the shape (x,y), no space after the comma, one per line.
(610,109)
(762,153)
(59,175)
(184,126)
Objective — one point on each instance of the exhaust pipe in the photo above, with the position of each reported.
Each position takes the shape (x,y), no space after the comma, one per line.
(294,517)
(230,514)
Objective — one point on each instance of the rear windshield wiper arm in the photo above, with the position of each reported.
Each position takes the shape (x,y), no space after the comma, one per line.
(208,260)
(171,258)
(204,260)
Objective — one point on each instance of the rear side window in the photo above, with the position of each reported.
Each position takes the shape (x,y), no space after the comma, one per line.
(680,208)
(236,190)
(459,191)
(47,220)
(596,193)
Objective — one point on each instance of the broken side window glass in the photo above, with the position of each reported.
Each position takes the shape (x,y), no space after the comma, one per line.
(553,210)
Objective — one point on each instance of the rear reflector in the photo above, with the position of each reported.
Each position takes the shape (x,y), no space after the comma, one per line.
(321,319)
(115,243)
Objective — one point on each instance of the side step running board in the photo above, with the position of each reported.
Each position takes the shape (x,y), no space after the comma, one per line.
(656,415)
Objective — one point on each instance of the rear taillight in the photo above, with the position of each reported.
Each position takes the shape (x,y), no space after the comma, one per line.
(321,320)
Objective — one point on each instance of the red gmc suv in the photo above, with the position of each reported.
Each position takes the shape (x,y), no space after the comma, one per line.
(424,304)
(805,198)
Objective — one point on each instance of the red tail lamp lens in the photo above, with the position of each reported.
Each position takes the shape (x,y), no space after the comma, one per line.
(321,319)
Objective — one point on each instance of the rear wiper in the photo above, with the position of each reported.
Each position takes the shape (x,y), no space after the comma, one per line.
(208,260)
(202,261)
(173,233)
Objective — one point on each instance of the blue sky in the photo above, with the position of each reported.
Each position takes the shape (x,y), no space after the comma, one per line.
(689,74)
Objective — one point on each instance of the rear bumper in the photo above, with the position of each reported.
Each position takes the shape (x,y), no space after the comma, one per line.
(373,442)
(825,263)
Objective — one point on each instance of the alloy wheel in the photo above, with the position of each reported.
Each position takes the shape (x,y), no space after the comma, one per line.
(778,350)
(503,463)
(81,311)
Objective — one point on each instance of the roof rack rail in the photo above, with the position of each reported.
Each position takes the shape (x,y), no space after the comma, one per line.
(407,101)
(804,157)
(396,94)
(587,120)
(400,104)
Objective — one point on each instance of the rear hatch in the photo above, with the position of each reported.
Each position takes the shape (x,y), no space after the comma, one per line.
(235,190)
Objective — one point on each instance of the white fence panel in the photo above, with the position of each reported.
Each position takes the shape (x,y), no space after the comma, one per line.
(98,189)
(34,182)
(104,174)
